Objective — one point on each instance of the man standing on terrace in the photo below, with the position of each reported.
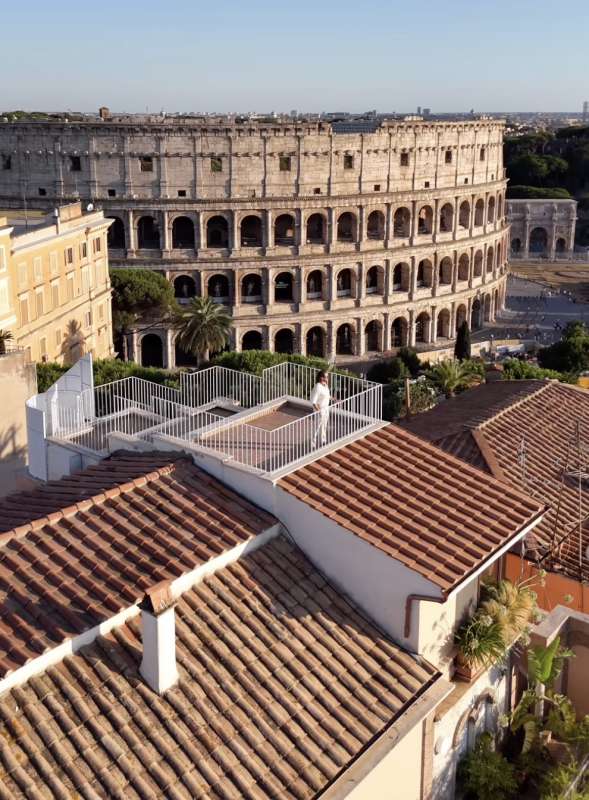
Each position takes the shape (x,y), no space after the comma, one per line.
(320,398)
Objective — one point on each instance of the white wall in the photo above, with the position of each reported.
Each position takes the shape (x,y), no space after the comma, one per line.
(438,622)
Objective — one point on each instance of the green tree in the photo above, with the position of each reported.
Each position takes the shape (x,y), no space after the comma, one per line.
(515,192)
(462,345)
(452,376)
(137,293)
(486,773)
(203,326)
(571,354)
(256,361)
(393,369)
(528,169)
(5,336)
(514,369)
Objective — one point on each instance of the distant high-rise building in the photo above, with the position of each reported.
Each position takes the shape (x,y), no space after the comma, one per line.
(418,110)
(586,111)
(427,112)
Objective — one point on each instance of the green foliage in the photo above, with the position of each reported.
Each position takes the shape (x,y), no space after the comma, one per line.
(524,192)
(452,376)
(514,369)
(462,345)
(557,781)
(256,361)
(202,326)
(571,354)
(510,605)
(409,357)
(136,293)
(48,373)
(545,663)
(486,773)
(393,369)
(5,336)
(107,370)
(480,641)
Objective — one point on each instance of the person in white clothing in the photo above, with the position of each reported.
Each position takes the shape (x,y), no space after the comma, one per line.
(320,398)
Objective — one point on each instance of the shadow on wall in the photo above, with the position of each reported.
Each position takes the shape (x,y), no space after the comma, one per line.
(73,344)
(13,460)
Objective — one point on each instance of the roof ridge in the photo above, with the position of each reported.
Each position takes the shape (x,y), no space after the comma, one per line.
(520,401)
(88,502)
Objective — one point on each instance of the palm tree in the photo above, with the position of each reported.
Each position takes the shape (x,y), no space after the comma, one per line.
(451,376)
(5,336)
(73,345)
(202,326)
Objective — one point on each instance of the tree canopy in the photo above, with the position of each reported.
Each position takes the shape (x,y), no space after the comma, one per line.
(571,353)
(138,293)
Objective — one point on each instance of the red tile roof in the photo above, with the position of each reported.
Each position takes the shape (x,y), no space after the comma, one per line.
(283,683)
(89,545)
(437,515)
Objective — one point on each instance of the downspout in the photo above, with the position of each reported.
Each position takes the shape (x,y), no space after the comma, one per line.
(409,607)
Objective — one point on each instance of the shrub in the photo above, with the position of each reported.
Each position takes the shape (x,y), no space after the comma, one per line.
(486,773)
(571,354)
(520,192)
(411,360)
(514,369)
(256,361)
(107,370)
(480,641)
(47,374)
(385,371)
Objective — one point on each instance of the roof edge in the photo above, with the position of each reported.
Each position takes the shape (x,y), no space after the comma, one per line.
(488,454)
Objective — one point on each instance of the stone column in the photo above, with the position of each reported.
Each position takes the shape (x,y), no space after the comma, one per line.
(433,332)
(361,225)
(234,241)
(201,234)
(163,167)
(413,278)
(299,338)
(58,169)
(331,341)
(169,360)
(388,280)
(454,271)
(361,287)
(302,284)
(436,220)
(386,332)
(360,338)
(331,227)
(165,243)
(452,331)
(455,223)
(237,339)
(411,328)
(331,285)
(388,231)
(131,237)
(236,288)
(127,168)
(269,222)
(414,221)
(526,237)
(435,274)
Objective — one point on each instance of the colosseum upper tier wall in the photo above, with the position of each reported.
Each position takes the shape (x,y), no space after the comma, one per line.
(318,240)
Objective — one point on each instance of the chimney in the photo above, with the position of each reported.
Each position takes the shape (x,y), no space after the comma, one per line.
(158,665)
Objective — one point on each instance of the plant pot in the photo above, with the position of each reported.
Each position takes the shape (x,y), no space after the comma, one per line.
(466,672)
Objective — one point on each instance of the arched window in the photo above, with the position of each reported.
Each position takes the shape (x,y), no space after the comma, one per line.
(315,285)
(373,281)
(284,230)
(425,220)
(491,210)
(217,232)
(346,227)
(183,233)
(148,235)
(478,263)
(476,315)
(184,287)
(399,332)
(283,288)
(252,340)
(460,316)
(538,241)
(446,269)
(344,283)
(251,290)
(464,215)
(251,231)
(152,351)
(344,340)
(499,208)
(402,223)
(316,229)
(479,213)
(373,337)
(401,274)
(443,324)
(218,288)
(490,259)
(463,267)
(516,245)
(284,341)
(561,246)
(487,308)
(316,342)
(375,225)
(116,234)
(422,328)
(446,218)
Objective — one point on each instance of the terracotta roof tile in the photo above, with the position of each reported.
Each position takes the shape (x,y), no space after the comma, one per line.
(61,577)
(430,511)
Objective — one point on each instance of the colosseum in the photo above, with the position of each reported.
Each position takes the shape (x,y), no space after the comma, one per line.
(323,239)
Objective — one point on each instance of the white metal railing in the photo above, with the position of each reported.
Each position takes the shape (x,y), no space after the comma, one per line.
(219,383)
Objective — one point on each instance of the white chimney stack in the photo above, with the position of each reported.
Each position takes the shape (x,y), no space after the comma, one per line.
(158,665)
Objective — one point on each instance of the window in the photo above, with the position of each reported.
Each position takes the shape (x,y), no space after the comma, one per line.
(377,187)
(466,180)
(97,245)
(53,263)
(58,337)
(39,303)
(448,157)
(404,159)
(70,287)
(317,191)
(2,259)
(348,161)
(181,192)
(38,268)
(112,192)
(75,164)
(88,319)
(6,162)
(69,255)
(85,279)
(216,164)
(426,185)
(83,250)
(284,163)
(23,275)
(43,346)
(24,310)
(42,192)
(55,295)
(482,154)
(146,163)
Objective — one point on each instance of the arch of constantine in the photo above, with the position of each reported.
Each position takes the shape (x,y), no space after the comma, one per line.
(542,228)
(316,241)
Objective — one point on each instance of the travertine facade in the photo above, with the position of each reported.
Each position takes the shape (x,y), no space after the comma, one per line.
(542,228)
(319,241)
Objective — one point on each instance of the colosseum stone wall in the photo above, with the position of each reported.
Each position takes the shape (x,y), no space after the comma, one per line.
(318,241)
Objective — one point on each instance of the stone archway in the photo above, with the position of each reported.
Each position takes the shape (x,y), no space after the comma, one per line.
(152,350)
(538,242)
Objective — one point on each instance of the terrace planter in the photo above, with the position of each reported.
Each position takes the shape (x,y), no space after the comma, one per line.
(466,672)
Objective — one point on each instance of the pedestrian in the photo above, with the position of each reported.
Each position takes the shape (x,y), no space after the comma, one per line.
(320,398)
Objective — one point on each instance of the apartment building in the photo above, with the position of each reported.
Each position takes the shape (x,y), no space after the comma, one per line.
(54,284)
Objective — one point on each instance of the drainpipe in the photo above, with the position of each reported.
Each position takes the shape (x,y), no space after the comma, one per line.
(409,607)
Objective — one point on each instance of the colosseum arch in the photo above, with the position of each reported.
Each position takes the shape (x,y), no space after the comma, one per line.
(184,287)
(347,227)
(115,238)
(251,289)
(375,280)
(425,220)
(251,231)
(252,340)
(344,340)
(463,267)
(285,230)
(490,258)
(499,207)
(345,283)
(478,264)
(538,241)
(560,247)
(148,235)
(316,228)
(218,289)
(422,327)
(425,271)
(284,288)
(487,308)
(217,232)
(399,331)
(375,226)
(491,210)
(476,315)
(315,285)
(461,316)
(284,341)
(315,341)
(152,350)
(479,213)
(445,270)
(373,336)
(516,246)
(402,223)
(447,218)
(401,277)
(183,234)
(443,324)
(464,215)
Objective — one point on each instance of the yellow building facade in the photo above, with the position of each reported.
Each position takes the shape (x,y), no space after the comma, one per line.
(54,285)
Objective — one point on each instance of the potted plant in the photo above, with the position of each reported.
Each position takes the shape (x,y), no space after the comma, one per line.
(5,336)
(480,644)
(511,605)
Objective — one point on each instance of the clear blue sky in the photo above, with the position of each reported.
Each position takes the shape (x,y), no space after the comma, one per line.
(313,55)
